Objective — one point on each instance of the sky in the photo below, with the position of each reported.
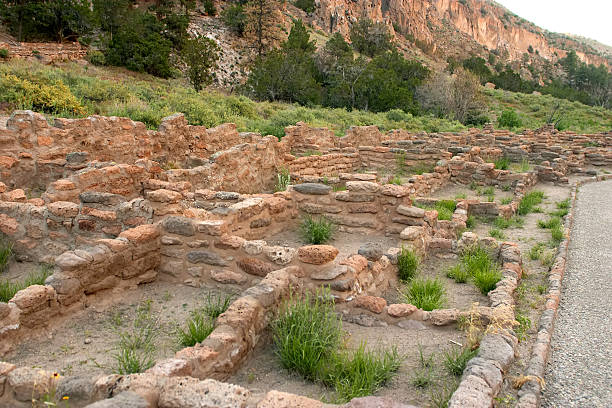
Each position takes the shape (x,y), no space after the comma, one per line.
(588,18)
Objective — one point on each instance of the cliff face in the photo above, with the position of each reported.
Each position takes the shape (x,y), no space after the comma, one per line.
(455,27)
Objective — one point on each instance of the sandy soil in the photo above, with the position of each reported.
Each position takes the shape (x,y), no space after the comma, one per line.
(264,372)
(85,344)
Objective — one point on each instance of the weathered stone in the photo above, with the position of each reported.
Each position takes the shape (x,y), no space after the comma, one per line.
(126,399)
(277,399)
(178,225)
(63,209)
(312,188)
(229,242)
(100,198)
(329,272)
(372,303)
(187,392)
(79,389)
(29,383)
(317,254)
(33,297)
(343,285)
(372,251)
(375,402)
(254,266)
(364,320)
(401,310)
(362,187)
(442,317)
(280,255)
(410,211)
(227,276)
(411,233)
(164,196)
(207,257)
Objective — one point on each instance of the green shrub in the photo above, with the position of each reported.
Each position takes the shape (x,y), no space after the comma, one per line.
(198,327)
(459,274)
(509,119)
(456,360)
(506,201)
(502,163)
(489,191)
(407,264)
(234,18)
(316,231)
(209,8)
(4,53)
(200,56)
(96,58)
(306,333)
(536,251)
(6,252)
(529,202)
(426,294)
(306,5)
(51,97)
(361,373)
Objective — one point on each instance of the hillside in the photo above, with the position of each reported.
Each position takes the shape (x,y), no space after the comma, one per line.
(141,97)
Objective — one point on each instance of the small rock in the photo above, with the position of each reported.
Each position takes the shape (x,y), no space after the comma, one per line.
(312,188)
(372,303)
(401,310)
(372,251)
(87,341)
(317,254)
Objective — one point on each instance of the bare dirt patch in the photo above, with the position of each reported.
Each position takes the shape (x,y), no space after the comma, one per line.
(86,343)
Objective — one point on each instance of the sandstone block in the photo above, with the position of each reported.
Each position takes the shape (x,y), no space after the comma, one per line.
(140,234)
(277,399)
(411,233)
(410,211)
(207,257)
(372,251)
(254,266)
(362,187)
(317,254)
(372,303)
(401,310)
(179,225)
(227,276)
(312,188)
(63,209)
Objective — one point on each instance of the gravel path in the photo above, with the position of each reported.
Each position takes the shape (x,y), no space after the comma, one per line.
(579,373)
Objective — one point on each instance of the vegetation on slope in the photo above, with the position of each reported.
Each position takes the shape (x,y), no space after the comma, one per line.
(141,97)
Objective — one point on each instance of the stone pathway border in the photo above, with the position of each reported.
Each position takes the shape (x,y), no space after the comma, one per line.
(530,393)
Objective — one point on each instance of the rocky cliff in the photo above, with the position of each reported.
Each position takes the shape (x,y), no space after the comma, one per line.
(458,28)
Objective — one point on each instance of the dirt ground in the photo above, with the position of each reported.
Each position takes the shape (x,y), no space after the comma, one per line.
(263,371)
(85,343)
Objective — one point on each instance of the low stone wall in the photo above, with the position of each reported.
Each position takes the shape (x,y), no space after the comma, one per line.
(331,164)
(129,260)
(45,52)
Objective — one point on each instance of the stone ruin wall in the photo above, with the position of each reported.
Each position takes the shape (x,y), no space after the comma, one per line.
(45,52)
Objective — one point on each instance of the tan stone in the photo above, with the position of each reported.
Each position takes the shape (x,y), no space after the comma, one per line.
(277,399)
(372,303)
(8,225)
(317,254)
(401,310)
(254,266)
(142,233)
(17,195)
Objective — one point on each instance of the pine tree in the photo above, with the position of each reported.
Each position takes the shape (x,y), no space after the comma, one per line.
(262,28)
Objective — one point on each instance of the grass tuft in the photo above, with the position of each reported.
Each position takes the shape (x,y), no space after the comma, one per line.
(306,333)
(497,233)
(456,359)
(426,294)
(459,274)
(198,327)
(407,264)
(481,267)
(136,344)
(503,163)
(6,252)
(8,289)
(529,202)
(316,230)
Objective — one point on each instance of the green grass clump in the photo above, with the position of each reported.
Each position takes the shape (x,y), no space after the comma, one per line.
(529,202)
(459,274)
(557,235)
(136,344)
(217,304)
(456,360)
(536,251)
(307,332)
(497,233)
(426,294)
(506,201)
(407,264)
(481,267)
(8,289)
(308,339)
(504,223)
(489,191)
(502,163)
(524,324)
(6,252)
(460,196)
(470,222)
(445,209)
(552,222)
(316,230)
(362,372)
(198,327)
